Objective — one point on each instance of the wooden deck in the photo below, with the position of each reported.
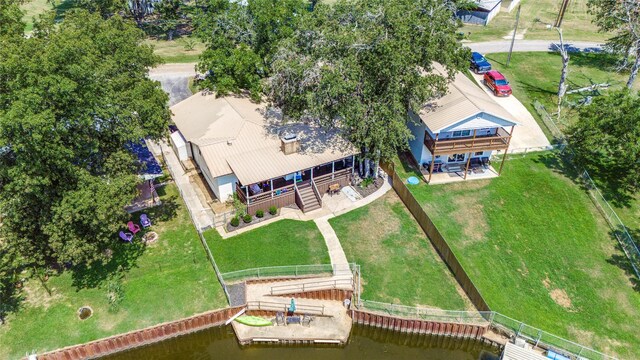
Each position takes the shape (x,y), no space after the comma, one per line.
(286,195)
(498,141)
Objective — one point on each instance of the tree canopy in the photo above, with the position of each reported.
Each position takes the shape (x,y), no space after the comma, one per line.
(72,96)
(361,65)
(606,139)
(241,38)
(622,17)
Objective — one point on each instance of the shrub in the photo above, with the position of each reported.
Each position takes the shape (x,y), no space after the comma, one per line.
(247,218)
(260,213)
(235,221)
(366,182)
(115,295)
(273,210)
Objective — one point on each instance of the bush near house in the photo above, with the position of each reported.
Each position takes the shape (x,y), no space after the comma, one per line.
(539,251)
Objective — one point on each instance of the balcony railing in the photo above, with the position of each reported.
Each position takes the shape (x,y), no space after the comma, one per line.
(267,195)
(497,141)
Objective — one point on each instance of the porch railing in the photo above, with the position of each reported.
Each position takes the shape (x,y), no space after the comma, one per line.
(499,140)
(267,195)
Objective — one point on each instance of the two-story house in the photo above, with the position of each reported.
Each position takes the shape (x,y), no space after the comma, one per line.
(458,132)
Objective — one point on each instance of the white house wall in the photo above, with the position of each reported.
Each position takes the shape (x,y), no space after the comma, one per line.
(479,121)
(202,165)
(226,185)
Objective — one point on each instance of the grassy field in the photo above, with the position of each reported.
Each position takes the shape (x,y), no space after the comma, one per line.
(534,17)
(177,51)
(539,251)
(164,281)
(398,263)
(535,76)
(284,242)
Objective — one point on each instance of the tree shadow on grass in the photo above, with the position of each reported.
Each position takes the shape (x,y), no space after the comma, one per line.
(124,255)
(610,185)
(603,61)
(622,261)
(11,298)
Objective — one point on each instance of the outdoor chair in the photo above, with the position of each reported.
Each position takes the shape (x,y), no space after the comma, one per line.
(144,221)
(134,228)
(126,237)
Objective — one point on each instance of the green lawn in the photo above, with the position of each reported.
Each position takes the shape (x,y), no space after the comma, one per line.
(177,51)
(398,263)
(33,8)
(284,242)
(535,76)
(168,280)
(534,16)
(539,251)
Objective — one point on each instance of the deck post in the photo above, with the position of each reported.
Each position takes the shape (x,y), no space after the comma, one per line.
(506,150)
(433,160)
(466,168)
(271,181)
(473,141)
(246,190)
(333,169)
(311,174)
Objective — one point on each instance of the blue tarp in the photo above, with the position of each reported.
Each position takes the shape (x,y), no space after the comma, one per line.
(149,166)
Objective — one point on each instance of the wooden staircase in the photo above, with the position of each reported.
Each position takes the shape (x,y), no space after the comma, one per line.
(310,200)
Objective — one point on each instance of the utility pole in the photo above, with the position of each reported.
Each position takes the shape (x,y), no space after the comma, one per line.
(513,38)
(563,9)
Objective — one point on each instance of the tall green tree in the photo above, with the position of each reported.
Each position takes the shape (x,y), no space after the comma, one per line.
(361,65)
(72,95)
(170,12)
(622,17)
(606,140)
(241,38)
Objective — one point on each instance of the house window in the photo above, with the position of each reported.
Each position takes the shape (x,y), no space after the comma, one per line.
(456,158)
(461,133)
(479,153)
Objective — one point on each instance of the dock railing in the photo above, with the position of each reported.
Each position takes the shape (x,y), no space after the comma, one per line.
(286,271)
(428,314)
(342,284)
(284,307)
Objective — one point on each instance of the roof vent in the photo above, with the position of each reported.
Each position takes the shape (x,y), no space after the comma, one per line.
(229,142)
(289,144)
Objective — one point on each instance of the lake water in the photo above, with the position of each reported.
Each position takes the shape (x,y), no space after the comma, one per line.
(365,343)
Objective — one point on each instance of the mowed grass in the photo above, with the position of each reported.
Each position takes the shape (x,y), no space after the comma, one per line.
(167,280)
(534,17)
(33,8)
(539,251)
(284,242)
(397,261)
(177,51)
(535,76)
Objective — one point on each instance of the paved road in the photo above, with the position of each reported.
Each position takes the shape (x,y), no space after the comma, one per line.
(532,45)
(174,79)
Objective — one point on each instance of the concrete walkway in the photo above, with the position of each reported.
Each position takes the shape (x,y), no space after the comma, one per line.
(337,255)
(203,217)
(500,46)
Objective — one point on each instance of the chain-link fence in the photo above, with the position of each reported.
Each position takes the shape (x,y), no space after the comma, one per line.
(541,338)
(618,228)
(284,271)
(428,314)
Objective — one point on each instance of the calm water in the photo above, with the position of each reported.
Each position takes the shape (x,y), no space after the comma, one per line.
(365,343)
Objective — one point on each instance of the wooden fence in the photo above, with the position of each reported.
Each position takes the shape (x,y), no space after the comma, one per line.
(436,238)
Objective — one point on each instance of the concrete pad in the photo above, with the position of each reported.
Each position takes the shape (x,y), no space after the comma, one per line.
(528,134)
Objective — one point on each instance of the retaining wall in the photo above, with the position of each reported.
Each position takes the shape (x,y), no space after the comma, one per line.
(419,326)
(142,337)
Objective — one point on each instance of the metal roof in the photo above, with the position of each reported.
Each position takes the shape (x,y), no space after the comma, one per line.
(237,136)
(464,100)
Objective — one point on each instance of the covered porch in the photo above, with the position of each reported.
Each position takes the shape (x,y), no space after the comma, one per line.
(290,189)
(460,167)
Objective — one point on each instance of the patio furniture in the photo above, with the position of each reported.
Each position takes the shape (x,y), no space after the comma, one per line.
(298,177)
(255,189)
(134,228)
(126,237)
(485,161)
(144,221)
(334,188)
(306,320)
